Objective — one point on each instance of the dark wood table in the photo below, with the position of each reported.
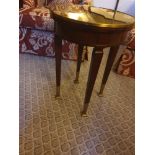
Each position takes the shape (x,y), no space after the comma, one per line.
(94,27)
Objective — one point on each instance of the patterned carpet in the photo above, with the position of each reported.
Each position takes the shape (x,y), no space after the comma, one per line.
(55,127)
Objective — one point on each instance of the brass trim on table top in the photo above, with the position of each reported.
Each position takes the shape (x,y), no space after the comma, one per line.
(113,23)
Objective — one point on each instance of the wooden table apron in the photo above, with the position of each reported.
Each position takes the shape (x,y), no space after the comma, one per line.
(90,35)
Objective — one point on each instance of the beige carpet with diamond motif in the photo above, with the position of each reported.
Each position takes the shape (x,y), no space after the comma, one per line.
(55,127)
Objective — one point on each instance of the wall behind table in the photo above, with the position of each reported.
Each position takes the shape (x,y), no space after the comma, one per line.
(127,6)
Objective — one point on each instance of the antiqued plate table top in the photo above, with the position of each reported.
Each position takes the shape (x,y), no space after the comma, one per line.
(99,17)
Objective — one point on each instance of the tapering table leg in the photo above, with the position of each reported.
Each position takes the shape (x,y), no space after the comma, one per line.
(94,67)
(80,51)
(112,54)
(58,51)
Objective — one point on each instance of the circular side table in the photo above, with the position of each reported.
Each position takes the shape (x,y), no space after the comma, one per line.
(94,27)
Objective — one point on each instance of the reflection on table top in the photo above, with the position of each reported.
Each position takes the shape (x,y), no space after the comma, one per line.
(98,17)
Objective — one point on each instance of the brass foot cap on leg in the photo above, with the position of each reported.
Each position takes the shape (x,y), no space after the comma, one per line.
(100,94)
(83,114)
(57,96)
(76,81)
